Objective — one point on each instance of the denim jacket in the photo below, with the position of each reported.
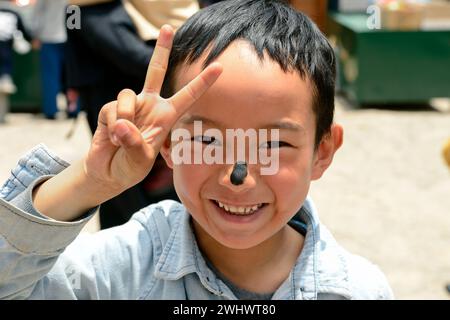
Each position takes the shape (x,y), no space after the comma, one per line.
(153,256)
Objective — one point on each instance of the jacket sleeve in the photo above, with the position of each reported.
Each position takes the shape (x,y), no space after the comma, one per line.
(41,258)
(25,31)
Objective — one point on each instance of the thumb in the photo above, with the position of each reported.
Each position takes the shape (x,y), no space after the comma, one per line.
(130,139)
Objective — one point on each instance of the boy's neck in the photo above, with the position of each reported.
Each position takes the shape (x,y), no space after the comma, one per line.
(260,269)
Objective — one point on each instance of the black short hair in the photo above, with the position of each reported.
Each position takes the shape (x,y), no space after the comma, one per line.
(288,36)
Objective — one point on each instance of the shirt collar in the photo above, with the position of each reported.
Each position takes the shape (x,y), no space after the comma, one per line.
(181,255)
(320,267)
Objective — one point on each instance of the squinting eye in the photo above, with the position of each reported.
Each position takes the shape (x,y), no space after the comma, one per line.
(206,140)
(274,144)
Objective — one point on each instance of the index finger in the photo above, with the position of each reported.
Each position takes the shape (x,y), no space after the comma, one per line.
(184,98)
(157,67)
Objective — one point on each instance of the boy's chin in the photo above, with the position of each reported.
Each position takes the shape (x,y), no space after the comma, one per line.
(238,245)
(222,238)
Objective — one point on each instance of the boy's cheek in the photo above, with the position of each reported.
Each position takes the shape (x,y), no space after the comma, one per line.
(289,179)
(192,182)
(191,174)
(297,179)
(290,187)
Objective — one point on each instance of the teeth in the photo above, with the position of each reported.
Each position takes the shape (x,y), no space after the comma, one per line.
(239,210)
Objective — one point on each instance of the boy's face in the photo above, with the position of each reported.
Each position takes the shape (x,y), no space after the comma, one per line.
(250,94)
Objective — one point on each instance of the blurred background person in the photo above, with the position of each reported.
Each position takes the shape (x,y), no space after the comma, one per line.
(109,52)
(50,37)
(12,30)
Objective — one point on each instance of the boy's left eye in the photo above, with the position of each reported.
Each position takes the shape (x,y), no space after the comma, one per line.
(274,144)
(206,140)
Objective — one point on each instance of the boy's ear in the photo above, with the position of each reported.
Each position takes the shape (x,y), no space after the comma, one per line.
(166,152)
(326,150)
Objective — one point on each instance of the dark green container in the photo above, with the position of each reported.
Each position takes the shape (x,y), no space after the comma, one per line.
(382,66)
(26,75)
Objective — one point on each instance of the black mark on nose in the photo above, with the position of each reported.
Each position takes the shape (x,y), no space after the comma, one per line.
(239,173)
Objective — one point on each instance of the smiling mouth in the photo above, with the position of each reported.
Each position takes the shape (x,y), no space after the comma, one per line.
(239,210)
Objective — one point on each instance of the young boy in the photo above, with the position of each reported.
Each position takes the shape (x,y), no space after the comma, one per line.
(241,232)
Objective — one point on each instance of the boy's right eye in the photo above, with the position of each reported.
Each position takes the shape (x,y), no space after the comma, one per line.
(206,140)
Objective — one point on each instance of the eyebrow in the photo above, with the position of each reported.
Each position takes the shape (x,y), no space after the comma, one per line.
(287,125)
(191,118)
(283,124)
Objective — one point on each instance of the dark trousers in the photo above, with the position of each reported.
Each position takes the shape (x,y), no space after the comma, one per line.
(6,57)
(52,67)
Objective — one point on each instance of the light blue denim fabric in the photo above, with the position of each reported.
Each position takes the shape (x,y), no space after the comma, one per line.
(153,256)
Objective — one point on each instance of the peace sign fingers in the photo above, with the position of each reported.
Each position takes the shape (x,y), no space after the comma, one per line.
(184,98)
(158,64)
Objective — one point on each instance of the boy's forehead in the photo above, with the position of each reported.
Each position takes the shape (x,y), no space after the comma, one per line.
(242,64)
(248,80)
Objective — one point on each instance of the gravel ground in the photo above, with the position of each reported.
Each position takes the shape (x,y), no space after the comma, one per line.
(385,197)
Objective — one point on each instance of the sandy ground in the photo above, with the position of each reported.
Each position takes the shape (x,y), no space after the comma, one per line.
(386,196)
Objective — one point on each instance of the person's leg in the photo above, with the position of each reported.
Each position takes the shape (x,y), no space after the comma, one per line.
(70,95)
(50,77)
(6,58)
(7,85)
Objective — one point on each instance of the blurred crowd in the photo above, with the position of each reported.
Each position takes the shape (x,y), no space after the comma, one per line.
(89,50)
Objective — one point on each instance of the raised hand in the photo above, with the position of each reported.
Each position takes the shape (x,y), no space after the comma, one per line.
(132,129)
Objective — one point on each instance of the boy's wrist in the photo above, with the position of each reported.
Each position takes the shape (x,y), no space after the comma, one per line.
(71,193)
(101,190)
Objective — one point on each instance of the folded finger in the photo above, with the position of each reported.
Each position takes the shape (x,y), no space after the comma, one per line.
(107,118)
(126,101)
(110,117)
(130,139)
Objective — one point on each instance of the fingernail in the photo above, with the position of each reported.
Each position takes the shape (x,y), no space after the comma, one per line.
(148,136)
(114,139)
(122,131)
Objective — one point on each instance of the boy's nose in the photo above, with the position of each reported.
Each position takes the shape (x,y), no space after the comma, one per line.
(237,177)
(239,173)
